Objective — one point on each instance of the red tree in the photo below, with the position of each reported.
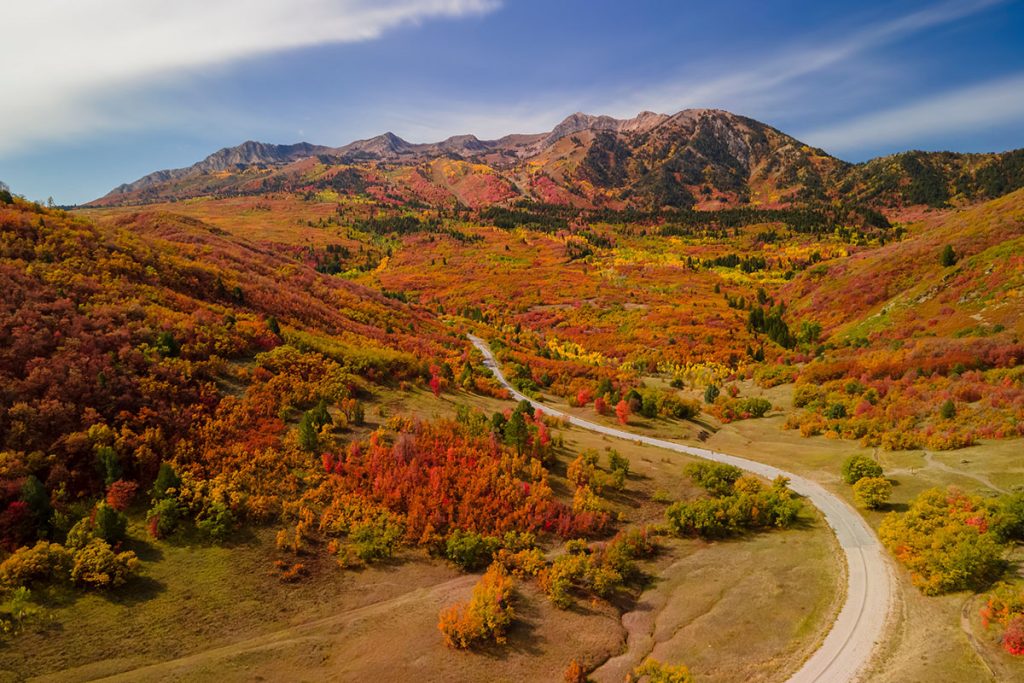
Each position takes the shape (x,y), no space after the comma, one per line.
(622,411)
(600,405)
(1013,637)
(435,385)
(121,493)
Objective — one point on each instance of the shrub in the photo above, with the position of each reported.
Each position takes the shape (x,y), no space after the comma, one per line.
(485,617)
(1013,636)
(378,537)
(711,393)
(715,478)
(1009,522)
(872,492)
(163,517)
(216,521)
(858,467)
(618,463)
(470,550)
(945,542)
(744,508)
(121,493)
(653,671)
(98,566)
(43,562)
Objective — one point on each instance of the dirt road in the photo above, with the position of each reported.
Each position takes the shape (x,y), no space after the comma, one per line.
(848,648)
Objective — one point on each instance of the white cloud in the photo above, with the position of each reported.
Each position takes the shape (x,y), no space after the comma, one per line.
(976,106)
(71,66)
(774,78)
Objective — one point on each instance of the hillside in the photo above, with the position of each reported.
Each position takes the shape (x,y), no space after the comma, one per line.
(700,158)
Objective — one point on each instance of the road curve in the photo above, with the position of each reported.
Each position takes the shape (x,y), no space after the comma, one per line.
(847,649)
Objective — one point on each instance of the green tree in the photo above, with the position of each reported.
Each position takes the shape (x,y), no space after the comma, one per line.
(711,393)
(947,411)
(109,464)
(38,500)
(872,492)
(516,432)
(858,467)
(948,257)
(167,482)
(309,437)
(109,524)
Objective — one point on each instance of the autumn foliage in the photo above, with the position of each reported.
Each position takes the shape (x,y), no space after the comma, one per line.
(487,615)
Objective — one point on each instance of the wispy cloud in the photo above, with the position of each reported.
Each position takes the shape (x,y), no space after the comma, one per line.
(980,105)
(773,77)
(69,67)
(757,84)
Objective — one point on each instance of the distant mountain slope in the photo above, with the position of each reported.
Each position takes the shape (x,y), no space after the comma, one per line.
(903,289)
(698,157)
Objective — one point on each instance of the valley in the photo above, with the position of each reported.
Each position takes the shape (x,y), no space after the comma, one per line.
(445,410)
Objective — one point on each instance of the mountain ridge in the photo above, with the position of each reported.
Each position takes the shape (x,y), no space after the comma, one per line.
(705,158)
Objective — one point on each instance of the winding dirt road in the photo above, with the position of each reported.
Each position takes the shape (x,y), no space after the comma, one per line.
(870,588)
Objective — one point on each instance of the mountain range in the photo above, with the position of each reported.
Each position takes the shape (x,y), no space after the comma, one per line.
(696,158)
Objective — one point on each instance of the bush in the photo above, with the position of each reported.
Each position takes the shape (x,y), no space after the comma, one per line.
(750,505)
(872,492)
(1009,522)
(216,521)
(469,550)
(653,671)
(858,467)
(945,542)
(485,617)
(98,566)
(41,563)
(715,478)
(163,517)
(378,537)
(711,393)
(617,463)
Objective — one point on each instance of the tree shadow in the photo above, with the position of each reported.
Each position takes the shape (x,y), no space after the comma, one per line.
(137,590)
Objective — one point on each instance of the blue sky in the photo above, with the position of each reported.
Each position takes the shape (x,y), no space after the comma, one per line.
(99,92)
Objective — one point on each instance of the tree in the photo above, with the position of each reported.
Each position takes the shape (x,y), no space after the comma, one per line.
(947,411)
(945,540)
(948,257)
(857,467)
(435,385)
(872,492)
(121,493)
(622,411)
(34,494)
(167,482)
(109,464)
(109,524)
(516,432)
(485,617)
(711,393)
(309,437)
